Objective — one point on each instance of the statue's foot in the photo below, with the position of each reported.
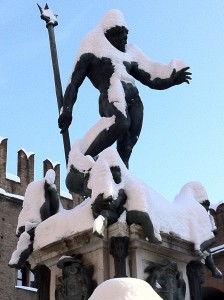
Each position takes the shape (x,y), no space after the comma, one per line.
(99,226)
(217,274)
(154,240)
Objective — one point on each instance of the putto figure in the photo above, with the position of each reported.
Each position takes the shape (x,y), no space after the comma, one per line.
(112,66)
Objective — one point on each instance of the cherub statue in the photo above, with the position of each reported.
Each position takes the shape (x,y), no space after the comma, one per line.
(112,67)
(40,202)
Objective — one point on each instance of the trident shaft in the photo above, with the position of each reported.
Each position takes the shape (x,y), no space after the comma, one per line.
(51,21)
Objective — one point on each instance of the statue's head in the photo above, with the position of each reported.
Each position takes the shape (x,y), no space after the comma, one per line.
(115,29)
(117,36)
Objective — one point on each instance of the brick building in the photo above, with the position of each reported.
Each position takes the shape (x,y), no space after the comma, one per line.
(16,285)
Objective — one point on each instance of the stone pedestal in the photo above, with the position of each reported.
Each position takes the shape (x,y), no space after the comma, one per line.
(97,252)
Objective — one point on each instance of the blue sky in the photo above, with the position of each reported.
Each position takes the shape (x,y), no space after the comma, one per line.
(183,134)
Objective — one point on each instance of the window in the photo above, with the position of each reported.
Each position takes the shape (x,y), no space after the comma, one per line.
(25,277)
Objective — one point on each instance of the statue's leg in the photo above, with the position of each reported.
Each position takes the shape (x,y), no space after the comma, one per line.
(23,250)
(128,139)
(143,219)
(210,264)
(207,244)
(108,135)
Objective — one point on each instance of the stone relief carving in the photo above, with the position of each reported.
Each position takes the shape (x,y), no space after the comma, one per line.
(76,281)
(166,280)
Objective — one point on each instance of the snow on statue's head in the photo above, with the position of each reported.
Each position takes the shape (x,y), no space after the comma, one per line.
(197,189)
(113,18)
(50,176)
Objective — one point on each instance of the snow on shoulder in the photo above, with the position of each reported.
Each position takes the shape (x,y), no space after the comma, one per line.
(124,289)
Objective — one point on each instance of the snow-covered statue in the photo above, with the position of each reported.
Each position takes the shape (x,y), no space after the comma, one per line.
(112,66)
(40,202)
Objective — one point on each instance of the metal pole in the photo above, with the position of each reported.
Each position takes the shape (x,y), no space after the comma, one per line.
(51,21)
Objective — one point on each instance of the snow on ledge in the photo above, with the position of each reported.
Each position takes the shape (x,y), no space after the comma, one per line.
(28,288)
(12,177)
(18,197)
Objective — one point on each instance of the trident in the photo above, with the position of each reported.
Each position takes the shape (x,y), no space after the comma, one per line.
(51,21)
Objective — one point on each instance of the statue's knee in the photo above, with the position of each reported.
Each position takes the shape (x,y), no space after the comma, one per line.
(122,123)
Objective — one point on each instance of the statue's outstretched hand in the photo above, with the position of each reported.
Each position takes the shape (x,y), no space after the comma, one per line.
(64,120)
(178,77)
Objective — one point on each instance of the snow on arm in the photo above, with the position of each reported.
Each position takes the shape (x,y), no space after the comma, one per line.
(155,69)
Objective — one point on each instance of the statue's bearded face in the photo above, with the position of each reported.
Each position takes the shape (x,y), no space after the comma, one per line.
(117,36)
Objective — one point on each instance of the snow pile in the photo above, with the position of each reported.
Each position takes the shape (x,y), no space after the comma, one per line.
(185,217)
(124,289)
(12,177)
(64,224)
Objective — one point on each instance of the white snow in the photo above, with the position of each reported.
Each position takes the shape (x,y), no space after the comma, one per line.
(30,213)
(112,18)
(2,139)
(64,224)
(33,200)
(50,177)
(3,192)
(28,154)
(76,157)
(12,177)
(28,288)
(54,163)
(99,225)
(95,42)
(23,243)
(101,180)
(124,289)
(52,17)
(185,217)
